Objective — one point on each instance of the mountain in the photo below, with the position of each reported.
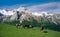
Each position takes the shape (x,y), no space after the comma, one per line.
(5,12)
(23,13)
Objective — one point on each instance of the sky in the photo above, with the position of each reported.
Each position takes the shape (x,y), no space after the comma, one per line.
(28,2)
(32,5)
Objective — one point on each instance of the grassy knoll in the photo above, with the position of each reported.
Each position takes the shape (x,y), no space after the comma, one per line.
(11,31)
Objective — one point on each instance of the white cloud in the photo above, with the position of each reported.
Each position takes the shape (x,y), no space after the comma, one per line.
(52,7)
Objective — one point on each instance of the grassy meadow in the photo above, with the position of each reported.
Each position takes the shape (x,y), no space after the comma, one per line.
(7,30)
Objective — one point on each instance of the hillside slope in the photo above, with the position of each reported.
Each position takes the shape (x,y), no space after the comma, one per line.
(11,31)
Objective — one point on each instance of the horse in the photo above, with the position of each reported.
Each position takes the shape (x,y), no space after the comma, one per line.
(28,26)
(41,28)
(18,25)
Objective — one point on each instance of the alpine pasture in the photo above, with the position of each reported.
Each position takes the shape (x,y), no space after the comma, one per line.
(7,30)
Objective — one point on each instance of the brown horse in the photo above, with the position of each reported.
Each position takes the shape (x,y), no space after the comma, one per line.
(41,28)
(28,26)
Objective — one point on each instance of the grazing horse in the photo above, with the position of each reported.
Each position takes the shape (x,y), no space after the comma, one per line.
(18,25)
(41,28)
(28,26)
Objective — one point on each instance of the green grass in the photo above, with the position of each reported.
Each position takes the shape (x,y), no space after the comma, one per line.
(11,31)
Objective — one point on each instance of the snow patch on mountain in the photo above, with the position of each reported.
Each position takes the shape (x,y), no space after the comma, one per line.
(4,12)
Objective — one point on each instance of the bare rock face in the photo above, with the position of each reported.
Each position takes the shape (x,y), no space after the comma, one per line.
(56,18)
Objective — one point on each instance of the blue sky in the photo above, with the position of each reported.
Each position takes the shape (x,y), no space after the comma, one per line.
(32,5)
(30,2)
